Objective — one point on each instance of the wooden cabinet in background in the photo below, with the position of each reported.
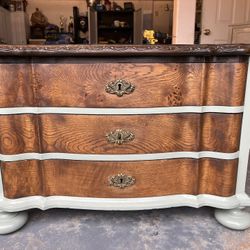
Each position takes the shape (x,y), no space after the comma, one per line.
(122,27)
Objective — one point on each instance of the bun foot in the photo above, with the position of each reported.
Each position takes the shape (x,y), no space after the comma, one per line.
(236,219)
(11,222)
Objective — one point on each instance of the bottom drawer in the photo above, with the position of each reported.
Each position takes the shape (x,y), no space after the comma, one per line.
(102,179)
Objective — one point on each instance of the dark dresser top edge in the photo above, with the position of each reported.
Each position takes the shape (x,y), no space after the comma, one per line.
(125,50)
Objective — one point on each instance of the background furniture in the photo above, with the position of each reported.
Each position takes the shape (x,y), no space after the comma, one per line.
(124,128)
(102,28)
(81,26)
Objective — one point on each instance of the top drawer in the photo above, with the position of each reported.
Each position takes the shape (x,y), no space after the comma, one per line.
(156,84)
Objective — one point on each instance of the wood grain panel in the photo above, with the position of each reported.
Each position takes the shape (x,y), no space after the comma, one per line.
(224,84)
(213,178)
(22,178)
(91,179)
(157,84)
(220,132)
(153,133)
(18,134)
(16,89)
(87,133)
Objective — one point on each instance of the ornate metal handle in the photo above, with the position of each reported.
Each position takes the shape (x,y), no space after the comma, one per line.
(121,181)
(120,136)
(119,87)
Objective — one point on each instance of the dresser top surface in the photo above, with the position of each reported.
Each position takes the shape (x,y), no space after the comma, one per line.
(125,50)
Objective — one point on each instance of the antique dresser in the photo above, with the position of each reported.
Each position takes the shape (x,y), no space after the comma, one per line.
(124,128)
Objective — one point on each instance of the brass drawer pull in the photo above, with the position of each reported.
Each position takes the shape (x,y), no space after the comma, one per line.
(120,136)
(119,87)
(121,181)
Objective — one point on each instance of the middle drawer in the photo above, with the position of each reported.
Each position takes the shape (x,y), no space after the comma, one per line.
(126,134)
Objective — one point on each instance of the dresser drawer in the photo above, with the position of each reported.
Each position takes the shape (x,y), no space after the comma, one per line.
(156,84)
(126,134)
(119,179)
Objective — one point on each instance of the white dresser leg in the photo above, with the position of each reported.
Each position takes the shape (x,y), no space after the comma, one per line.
(236,219)
(10,222)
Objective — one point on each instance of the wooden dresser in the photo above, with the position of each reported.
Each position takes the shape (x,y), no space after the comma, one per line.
(124,128)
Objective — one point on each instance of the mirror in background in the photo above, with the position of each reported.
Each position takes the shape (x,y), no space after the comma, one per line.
(86,22)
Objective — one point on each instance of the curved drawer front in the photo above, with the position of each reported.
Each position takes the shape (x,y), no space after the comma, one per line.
(127,134)
(155,84)
(104,179)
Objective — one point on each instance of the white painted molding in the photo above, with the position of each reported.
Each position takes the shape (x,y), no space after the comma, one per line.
(13,205)
(244,140)
(236,219)
(121,111)
(119,157)
(1,184)
(11,222)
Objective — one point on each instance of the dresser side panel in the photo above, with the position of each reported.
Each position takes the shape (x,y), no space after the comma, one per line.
(217,177)
(224,84)
(244,141)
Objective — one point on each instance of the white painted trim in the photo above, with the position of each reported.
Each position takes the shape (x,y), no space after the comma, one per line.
(117,157)
(1,185)
(244,140)
(120,111)
(13,205)
(10,222)
(236,219)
